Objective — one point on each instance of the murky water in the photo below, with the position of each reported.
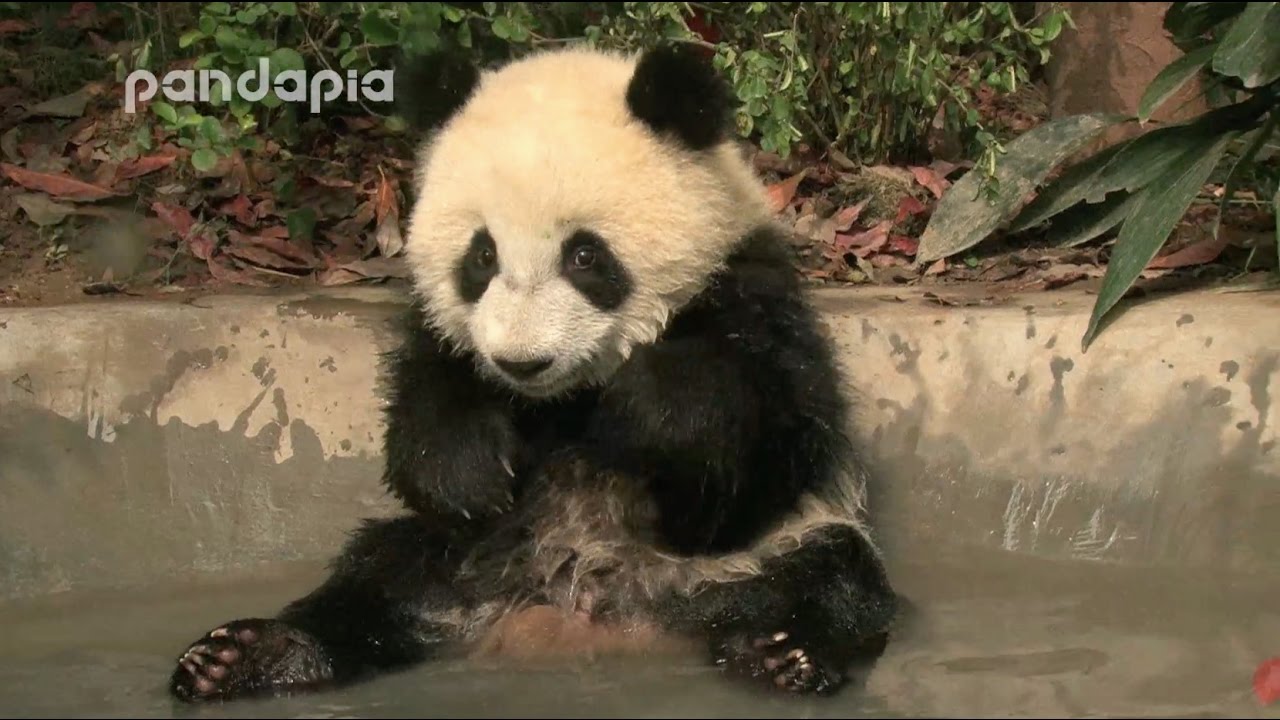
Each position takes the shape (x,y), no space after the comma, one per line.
(990,635)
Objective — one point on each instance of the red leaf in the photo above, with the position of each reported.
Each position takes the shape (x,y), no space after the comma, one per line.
(909,206)
(1205,251)
(13,25)
(137,167)
(175,216)
(1266,681)
(63,186)
(241,208)
(864,243)
(202,245)
(780,194)
(223,271)
(930,180)
(904,244)
(848,216)
(390,241)
(270,252)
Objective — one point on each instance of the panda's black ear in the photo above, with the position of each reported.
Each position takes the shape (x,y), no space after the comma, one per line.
(431,88)
(677,91)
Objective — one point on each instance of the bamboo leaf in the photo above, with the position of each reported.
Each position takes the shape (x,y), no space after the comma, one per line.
(1172,78)
(1087,221)
(963,218)
(1250,50)
(1160,207)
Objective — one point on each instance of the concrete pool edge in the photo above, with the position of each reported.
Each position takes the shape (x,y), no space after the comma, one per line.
(140,440)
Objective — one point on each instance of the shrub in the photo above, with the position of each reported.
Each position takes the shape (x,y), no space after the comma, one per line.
(868,80)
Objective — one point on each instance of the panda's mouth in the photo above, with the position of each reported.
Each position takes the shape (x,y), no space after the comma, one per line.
(536,378)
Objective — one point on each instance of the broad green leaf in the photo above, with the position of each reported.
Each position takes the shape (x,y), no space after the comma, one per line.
(1159,208)
(284,8)
(217,8)
(165,111)
(301,223)
(204,159)
(378,30)
(284,59)
(189,37)
(1172,78)
(1129,165)
(1187,21)
(210,128)
(1087,221)
(964,217)
(1250,50)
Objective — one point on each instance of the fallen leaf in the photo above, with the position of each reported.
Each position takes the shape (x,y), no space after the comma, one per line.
(937,268)
(884,260)
(67,106)
(84,134)
(1266,681)
(202,245)
(13,25)
(223,271)
(377,268)
(9,144)
(103,288)
(241,209)
(41,210)
(137,167)
(848,216)
(333,182)
(1063,274)
(1199,253)
(387,234)
(780,194)
(909,206)
(903,244)
(175,216)
(269,252)
(930,180)
(864,243)
(63,186)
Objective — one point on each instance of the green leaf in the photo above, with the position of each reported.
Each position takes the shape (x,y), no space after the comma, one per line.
(1158,210)
(284,59)
(285,8)
(217,8)
(228,37)
(1172,78)
(208,24)
(204,159)
(1250,49)
(1087,221)
(963,218)
(189,37)
(378,30)
(1241,164)
(210,128)
(165,111)
(349,57)
(301,223)
(502,27)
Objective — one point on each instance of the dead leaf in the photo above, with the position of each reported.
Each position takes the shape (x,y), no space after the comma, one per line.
(137,167)
(903,244)
(202,245)
(845,219)
(333,182)
(377,268)
(1198,253)
(842,161)
(930,180)
(241,209)
(223,271)
(9,144)
(390,242)
(63,186)
(41,210)
(1063,274)
(909,206)
(67,106)
(269,252)
(83,135)
(13,25)
(937,268)
(864,243)
(175,216)
(780,194)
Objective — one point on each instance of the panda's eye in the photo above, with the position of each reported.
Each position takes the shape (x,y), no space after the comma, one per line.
(484,257)
(584,258)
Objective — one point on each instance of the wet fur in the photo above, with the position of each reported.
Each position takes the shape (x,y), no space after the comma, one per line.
(703,490)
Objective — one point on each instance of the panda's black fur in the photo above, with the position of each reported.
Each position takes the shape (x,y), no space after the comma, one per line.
(642,501)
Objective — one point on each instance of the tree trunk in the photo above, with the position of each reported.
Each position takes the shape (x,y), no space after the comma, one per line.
(1105,64)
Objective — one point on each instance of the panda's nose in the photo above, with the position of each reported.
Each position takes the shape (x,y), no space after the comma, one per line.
(523,369)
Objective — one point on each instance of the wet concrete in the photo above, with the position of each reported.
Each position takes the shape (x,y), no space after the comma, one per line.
(147,440)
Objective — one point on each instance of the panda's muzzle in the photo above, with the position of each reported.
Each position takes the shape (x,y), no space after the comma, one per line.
(523,369)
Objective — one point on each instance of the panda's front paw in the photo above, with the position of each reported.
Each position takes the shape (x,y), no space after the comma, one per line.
(779,659)
(248,657)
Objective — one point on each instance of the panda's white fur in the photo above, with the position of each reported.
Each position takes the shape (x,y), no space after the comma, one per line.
(543,148)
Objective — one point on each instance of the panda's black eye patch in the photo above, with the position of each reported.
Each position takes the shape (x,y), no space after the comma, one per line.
(595,271)
(478,266)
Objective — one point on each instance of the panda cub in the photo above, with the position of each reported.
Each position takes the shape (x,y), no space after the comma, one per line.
(612,409)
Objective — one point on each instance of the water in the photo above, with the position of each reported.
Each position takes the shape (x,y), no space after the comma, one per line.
(990,635)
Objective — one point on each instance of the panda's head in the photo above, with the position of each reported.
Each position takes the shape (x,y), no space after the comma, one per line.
(569,203)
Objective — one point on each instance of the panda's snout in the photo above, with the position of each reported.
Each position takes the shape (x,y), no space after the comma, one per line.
(523,369)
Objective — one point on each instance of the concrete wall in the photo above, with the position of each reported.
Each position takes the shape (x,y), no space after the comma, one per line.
(140,439)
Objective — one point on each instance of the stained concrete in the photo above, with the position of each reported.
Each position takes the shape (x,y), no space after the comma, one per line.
(146,440)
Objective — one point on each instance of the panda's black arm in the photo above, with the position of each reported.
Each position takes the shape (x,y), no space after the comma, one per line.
(451,446)
(734,412)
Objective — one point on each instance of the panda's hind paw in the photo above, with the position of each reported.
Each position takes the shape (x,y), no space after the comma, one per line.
(248,657)
(781,660)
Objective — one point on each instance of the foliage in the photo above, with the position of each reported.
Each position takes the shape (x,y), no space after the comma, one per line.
(870,81)
(1145,185)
